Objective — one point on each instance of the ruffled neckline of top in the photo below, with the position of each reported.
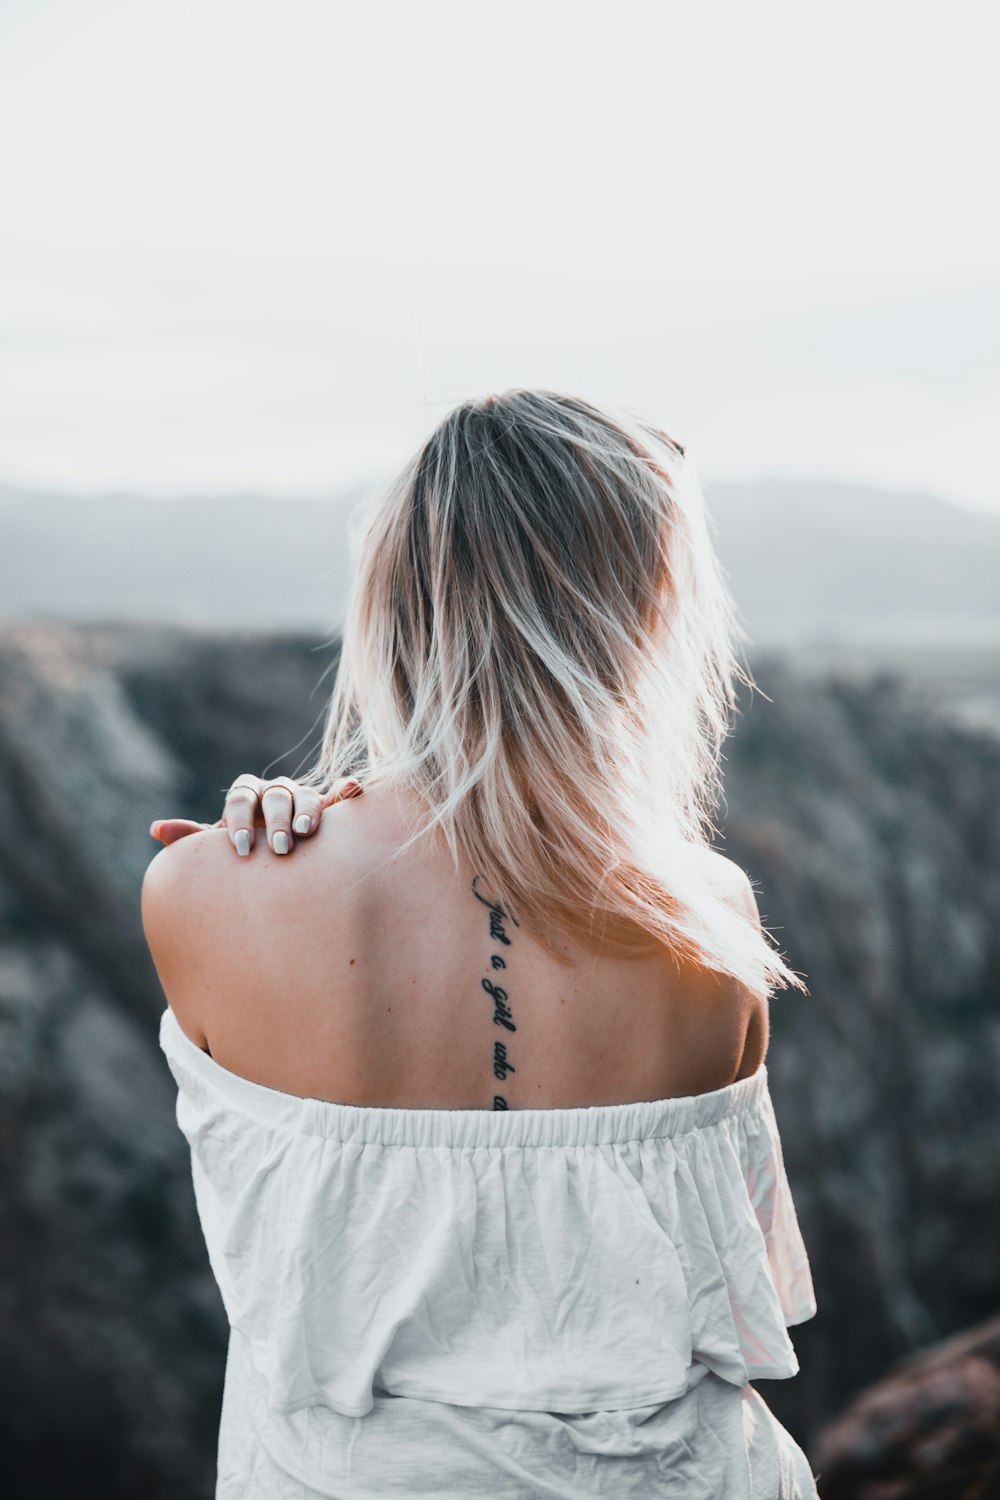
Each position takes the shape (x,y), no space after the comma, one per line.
(591,1125)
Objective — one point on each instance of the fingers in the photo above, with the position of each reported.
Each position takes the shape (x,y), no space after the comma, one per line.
(240,812)
(285,807)
(283,800)
(278,803)
(169,830)
(347,786)
(308,811)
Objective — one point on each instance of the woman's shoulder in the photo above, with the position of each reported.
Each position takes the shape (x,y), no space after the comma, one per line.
(183,873)
(217,924)
(733,885)
(201,907)
(185,888)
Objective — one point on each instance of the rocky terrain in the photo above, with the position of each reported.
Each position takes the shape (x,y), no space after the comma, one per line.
(872,830)
(928,1429)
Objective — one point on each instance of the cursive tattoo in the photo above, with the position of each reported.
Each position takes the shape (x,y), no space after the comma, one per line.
(502,1013)
(501,1010)
(497,915)
(501,1065)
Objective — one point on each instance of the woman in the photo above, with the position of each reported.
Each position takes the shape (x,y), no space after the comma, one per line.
(475,1085)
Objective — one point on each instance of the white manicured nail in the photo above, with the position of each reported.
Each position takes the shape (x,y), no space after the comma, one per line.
(301,824)
(281,843)
(242,841)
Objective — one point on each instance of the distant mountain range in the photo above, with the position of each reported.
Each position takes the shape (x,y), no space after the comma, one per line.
(808,562)
(817,560)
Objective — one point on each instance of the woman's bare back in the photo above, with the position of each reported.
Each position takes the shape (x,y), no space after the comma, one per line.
(345,974)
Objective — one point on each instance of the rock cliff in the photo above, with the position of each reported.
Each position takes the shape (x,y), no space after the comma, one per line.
(871,827)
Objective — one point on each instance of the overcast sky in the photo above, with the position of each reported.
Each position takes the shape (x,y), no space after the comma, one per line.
(267,245)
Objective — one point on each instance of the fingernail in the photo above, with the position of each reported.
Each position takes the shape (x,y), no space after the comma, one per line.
(301,824)
(242,841)
(281,843)
(153,827)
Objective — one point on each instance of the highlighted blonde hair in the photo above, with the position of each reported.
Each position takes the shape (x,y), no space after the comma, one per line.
(539,644)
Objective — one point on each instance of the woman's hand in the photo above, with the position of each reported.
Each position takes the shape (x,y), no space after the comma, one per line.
(282,806)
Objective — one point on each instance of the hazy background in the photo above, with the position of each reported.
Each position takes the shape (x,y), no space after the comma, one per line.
(258,247)
(249,255)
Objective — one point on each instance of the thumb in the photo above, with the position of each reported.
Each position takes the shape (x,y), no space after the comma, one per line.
(347,786)
(169,830)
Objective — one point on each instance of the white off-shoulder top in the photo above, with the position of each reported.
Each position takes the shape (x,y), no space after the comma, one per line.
(563,1261)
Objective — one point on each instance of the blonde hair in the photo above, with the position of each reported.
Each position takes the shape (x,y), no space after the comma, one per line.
(540,645)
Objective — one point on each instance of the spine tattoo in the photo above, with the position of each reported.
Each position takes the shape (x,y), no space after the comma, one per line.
(502,1014)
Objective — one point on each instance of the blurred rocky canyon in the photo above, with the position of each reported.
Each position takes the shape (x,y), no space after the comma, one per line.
(870,822)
